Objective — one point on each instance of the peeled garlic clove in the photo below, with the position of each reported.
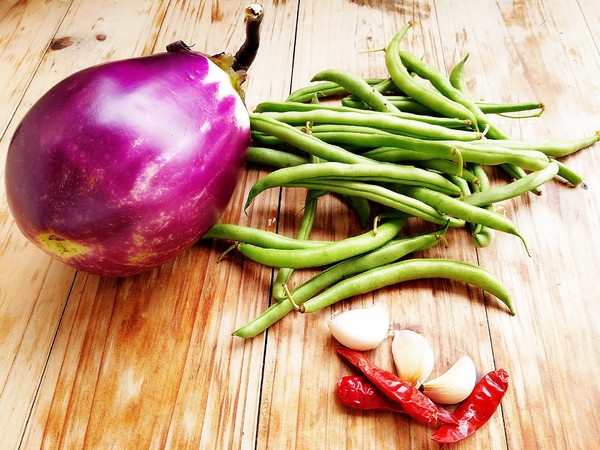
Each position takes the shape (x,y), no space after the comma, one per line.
(454,385)
(413,356)
(360,329)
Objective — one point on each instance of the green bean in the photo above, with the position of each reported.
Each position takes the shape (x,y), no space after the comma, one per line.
(266,140)
(332,171)
(326,254)
(504,108)
(457,78)
(386,122)
(516,173)
(482,236)
(357,87)
(403,103)
(258,237)
(499,155)
(319,131)
(518,187)
(327,129)
(324,89)
(443,85)
(303,233)
(306,142)
(435,149)
(362,207)
(447,167)
(274,158)
(430,149)
(445,122)
(408,105)
(481,175)
(396,155)
(461,210)
(385,86)
(452,150)
(382,196)
(554,149)
(412,269)
(431,98)
(462,184)
(387,253)
(568,174)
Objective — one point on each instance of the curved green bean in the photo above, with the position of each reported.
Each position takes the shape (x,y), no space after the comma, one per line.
(403,103)
(518,187)
(430,98)
(451,150)
(447,167)
(303,233)
(446,122)
(304,141)
(267,156)
(387,122)
(443,85)
(408,105)
(383,196)
(516,173)
(258,237)
(397,155)
(388,253)
(568,174)
(461,210)
(331,171)
(412,269)
(482,236)
(500,155)
(554,149)
(326,254)
(357,87)
(457,78)
(324,89)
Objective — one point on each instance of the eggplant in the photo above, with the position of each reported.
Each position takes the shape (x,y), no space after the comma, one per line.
(120,167)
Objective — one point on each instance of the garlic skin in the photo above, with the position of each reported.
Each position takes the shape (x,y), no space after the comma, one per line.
(454,385)
(413,356)
(361,328)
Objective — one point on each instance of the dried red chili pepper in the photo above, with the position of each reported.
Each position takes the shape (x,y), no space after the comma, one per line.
(413,401)
(476,409)
(358,392)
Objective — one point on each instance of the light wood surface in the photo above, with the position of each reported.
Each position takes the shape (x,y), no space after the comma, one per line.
(149,361)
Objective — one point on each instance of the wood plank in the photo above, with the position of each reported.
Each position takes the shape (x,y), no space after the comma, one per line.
(537,55)
(149,361)
(151,357)
(26,32)
(33,297)
(302,367)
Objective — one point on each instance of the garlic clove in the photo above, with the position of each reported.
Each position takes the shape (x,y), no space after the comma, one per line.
(361,328)
(454,385)
(413,356)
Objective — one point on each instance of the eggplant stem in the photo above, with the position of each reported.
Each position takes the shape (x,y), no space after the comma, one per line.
(245,55)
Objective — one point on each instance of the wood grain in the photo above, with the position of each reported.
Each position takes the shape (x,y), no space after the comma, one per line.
(149,361)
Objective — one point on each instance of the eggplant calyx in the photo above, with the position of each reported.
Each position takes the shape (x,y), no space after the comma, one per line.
(235,65)
(178,46)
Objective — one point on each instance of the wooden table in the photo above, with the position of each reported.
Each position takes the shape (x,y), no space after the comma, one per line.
(149,361)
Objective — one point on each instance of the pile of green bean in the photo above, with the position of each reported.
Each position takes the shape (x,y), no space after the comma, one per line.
(395,149)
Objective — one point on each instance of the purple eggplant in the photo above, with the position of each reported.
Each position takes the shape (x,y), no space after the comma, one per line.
(122,166)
